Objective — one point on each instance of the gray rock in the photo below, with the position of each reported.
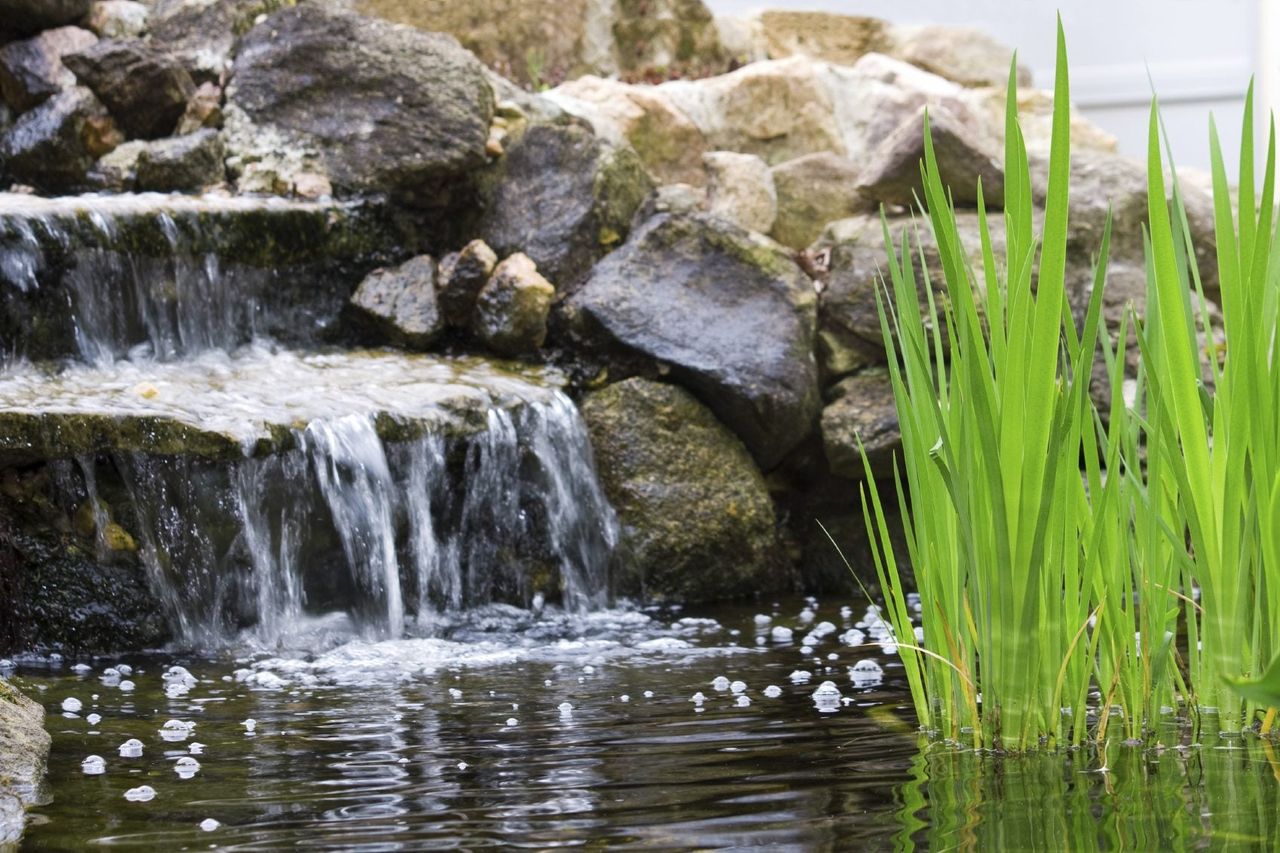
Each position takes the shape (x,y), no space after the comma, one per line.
(53,146)
(965,152)
(117,170)
(697,521)
(460,278)
(511,310)
(966,55)
(812,191)
(564,198)
(183,164)
(415,107)
(24,747)
(730,316)
(202,33)
(400,304)
(117,18)
(27,17)
(740,190)
(861,407)
(145,89)
(203,110)
(31,71)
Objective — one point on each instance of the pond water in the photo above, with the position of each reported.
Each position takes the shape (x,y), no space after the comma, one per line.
(515,730)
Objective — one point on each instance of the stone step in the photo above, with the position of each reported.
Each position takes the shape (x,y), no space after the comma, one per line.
(96,276)
(254,402)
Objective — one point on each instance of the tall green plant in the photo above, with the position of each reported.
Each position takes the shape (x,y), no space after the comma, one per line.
(1016,551)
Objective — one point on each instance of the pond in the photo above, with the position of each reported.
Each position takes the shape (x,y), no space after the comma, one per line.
(520,730)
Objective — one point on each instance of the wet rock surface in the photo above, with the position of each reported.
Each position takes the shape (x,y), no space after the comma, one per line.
(730,316)
(55,145)
(460,278)
(26,17)
(697,520)
(512,308)
(399,304)
(31,71)
(861,415)
(24,745)
(145,89)
(184,164)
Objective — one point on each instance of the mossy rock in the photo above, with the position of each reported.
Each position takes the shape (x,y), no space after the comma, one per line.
(697,520)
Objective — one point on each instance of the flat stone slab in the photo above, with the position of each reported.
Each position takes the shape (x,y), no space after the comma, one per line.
(252,403)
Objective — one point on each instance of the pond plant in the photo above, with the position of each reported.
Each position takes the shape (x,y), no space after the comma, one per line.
(1061,553)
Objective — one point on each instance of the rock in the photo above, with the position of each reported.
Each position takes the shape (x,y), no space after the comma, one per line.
(740,190)
(28,17)
(697,522)
(776,110)
(203,110)
(842,39)
(511,309)
(849,336)
(202,33)
(965,153)
(184,164)
(966,55)
(54,145)
(673,198)
(460,278)
(117,19)
(540,44)
(1035,115)
(861,407)
(564,198)
(24,747)
(728,314)
(145,89)
(415,106)
(400,304)
(117,170)
(31,71)
(813,190)
(668,143)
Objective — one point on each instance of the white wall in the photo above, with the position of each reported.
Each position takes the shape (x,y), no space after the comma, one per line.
(1200,53)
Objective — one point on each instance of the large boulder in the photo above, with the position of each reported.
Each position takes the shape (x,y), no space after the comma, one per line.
(668,143)
(414,107)
(861,409)
(729,315)
(27,17)
(813,190)
(697,521)
(145,88)
(24,747)
(399,304)
(183,164)
(564,198)
(511,309)
(965,152)
(31,70)
(53,146)
(541,43)
(740,190)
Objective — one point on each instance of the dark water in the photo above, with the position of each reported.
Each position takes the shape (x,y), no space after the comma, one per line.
(366,748)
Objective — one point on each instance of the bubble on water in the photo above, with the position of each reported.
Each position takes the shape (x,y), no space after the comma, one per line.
(462,765)
(624,698)
(853,637)
(126,686)
(564,708)
(806,650)
(738,686)
(512,722)
(743,701)
(124,669)
(846,612)
(760,641)
(186,767)
(762,620)
(132,748)
(196,748)
(781,634)
(720,683)
(5,663)
(588,669)
(93,719)
(265,680)
(800,676)
(209,824)
(250,725)
(648,694)
(72,705)
(846,701)
(82,669)
(833,656)
(697,698)
(94,765)
(806,615)
(455,693)
(773,691)
(546,682)
(178,675)
(140,794)
(866,673)
(826,690)
(889,648)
